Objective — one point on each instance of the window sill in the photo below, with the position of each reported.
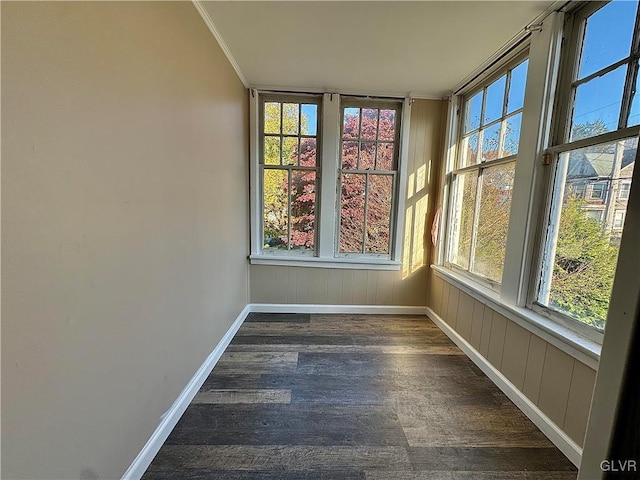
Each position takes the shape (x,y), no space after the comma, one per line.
(321,262)
(570,342)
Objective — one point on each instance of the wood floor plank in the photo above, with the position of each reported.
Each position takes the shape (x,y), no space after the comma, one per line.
(385,390)
(475,475)
(232,396)
(343,327)
(489,459)
(468,426)
(271,424)
(207,474)
(445,349)
(255,317)
(319,397)
(378,364)
(282,458)
(353,339)
(257,362)
(367,390)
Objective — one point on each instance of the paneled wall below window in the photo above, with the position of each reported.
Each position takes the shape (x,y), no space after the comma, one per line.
(558,384)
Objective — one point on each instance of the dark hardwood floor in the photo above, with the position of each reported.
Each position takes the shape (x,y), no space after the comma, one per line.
(318,397)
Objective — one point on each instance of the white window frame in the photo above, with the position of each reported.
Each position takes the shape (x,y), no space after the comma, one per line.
(624,192)
(295,99)
(544,37)
(327,193)
(618,219)
(357,102)
(599,193)
(507,63)
(559,143)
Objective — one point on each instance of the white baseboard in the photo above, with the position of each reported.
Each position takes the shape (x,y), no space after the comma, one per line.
(169,419)
(554,433)
(328,309)
(173,414)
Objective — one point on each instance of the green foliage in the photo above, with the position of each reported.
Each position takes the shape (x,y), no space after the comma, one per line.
(584,266)
(493,221)
(280,120)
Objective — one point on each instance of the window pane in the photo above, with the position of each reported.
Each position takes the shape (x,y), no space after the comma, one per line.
(597,105)
(290,150)
(585,250)
(379,213)
(369,123)
(309,122)
(472,112)
(493,221)
(271,117)
(387,128)
(516,87)
(290,117)
(275,215)
(303,202)
(352,213)
(351,123)
(385,156)
(350,155)
(494,104)
(512,135)
(367,155)
(469,150)
(272,150)
(308,148)
(607,36)
(463,213)
(491,143)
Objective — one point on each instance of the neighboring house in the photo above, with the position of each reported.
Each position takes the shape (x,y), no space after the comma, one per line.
(603,181)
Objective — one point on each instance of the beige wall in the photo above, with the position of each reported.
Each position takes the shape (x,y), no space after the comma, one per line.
(124,209)
(557,383)
(278,284)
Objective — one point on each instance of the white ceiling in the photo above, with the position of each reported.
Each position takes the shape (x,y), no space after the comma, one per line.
(387,47)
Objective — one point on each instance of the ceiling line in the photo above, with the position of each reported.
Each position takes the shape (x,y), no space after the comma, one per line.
(214,31)
(347,92)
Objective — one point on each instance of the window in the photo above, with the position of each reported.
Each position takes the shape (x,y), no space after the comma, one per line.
(598,190)
(325,179)
(594,215)
(618,219)
(290,165)
(594,144)
(625,188)
(482,181)
(368,169)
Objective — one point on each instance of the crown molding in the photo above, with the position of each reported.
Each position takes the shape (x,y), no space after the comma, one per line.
(214,31)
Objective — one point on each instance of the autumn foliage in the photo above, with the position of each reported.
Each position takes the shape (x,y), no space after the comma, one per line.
(367,146)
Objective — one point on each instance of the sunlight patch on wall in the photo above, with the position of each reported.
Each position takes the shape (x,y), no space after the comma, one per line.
(419,223)
(406,248)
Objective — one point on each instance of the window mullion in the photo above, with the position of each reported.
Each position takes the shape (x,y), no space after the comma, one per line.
(627,93)
(366,206)
(528,199)
(289,175)
(327,214)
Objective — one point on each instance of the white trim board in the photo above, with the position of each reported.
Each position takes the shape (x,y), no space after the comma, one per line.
(554,433)
(337,309)
(169,419)
(223,46)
